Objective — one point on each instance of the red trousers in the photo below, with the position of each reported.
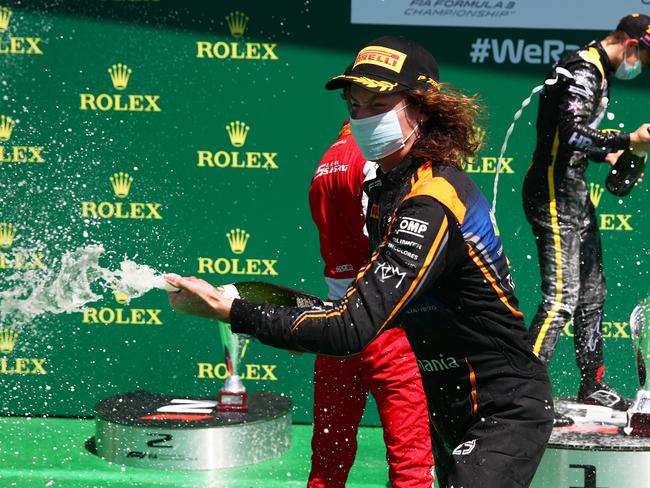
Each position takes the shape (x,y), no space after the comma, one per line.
(388,370)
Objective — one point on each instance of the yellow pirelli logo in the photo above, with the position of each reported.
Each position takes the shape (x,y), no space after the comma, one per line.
(381,56)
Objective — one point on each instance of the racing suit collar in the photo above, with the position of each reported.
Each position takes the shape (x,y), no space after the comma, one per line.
(397,174)
(607,64)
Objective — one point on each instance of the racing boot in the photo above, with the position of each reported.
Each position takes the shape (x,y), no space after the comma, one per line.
(600,393)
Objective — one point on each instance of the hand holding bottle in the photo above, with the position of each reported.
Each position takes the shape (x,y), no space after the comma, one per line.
(640,139)
(198,297)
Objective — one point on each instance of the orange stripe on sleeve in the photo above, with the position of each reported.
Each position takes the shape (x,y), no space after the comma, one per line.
(493,282)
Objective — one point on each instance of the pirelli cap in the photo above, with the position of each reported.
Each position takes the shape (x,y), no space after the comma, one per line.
(390,64)
(637,26)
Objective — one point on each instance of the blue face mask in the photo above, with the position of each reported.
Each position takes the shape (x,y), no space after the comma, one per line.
(380,135)
(629,71)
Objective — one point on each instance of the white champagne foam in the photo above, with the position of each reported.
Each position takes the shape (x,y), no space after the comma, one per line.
(67,285)
(559,71)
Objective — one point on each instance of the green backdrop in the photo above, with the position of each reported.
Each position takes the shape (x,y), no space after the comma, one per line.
(191,76)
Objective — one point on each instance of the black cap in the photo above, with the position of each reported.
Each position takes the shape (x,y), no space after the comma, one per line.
(637,26)
(390,64)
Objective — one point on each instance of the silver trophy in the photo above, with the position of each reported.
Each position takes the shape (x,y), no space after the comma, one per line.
(638,416)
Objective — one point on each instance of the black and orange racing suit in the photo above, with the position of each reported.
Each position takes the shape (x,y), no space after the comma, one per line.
(560,211)
(438,268)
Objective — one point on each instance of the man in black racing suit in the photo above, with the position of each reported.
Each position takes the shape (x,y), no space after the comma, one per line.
(436,266)
(557,203)
(441,271)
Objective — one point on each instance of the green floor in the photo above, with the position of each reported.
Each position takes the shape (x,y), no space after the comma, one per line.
(36,452)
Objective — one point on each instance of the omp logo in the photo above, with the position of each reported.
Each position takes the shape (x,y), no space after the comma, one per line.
(7,340)
(251,372)
(237,241)
(518,51)
(7,125)
(120,74)
(437,365)
(17,366)
(464,448)
(16,154)
(608,330)
(237,134)
(237,131)
(237,238)
(7,234)
(411,226)
(387,271)
(17,260)
(5,17)
(237,23)
(381,56)
(488,165)
(16,45)
(121,184)
(595,192)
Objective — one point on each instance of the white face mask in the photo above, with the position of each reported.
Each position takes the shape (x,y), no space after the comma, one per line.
(380,135)
(627,71)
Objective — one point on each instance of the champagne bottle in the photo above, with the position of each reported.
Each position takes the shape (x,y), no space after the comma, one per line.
(626,172)
(258,292)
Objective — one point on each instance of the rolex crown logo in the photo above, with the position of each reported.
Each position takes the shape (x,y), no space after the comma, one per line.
(238,238)
(7,340)
(7,125)
(121,184)
(595,192)
(121,297)
(237,131)
(7,234)
(237,22)
(120,74)
(5,16)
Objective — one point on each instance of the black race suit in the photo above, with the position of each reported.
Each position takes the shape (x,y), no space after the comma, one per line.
(439,269)
(558,206)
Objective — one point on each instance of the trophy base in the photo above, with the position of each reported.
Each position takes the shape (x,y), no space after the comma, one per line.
(150,430)
(232,402)
(593,452)
(638,416)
